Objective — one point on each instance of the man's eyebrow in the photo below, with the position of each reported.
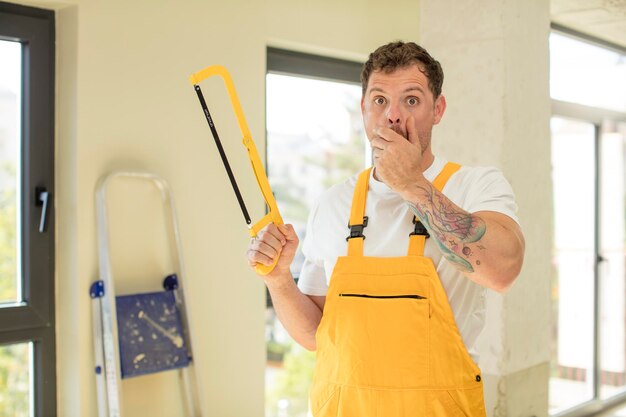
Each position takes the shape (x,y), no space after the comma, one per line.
(380,90)
(408,90)
(414,88)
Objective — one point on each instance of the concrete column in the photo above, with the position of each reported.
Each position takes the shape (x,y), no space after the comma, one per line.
(496,63)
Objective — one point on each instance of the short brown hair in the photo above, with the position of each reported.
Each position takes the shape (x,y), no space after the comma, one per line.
(400,54)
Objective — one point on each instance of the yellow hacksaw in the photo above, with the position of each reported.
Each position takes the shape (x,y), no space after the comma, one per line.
(273,215)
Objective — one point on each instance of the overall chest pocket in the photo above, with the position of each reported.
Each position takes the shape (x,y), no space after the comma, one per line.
(383,338)
(383,297)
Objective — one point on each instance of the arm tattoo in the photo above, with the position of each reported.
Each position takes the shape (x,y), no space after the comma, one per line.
(452,227)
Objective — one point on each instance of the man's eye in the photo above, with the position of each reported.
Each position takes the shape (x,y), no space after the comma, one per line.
(379,100)
(412,101)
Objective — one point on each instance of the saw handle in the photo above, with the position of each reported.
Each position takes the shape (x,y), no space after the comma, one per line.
(273,215)
(254,231)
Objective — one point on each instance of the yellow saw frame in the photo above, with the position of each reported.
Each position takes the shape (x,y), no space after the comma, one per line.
(273,215)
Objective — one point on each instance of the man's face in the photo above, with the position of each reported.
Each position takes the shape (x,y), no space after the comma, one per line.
(392,97)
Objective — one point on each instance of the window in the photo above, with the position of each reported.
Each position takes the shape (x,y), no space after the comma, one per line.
(315,139)
(588,88)
(587,74)
(27,345)
(573,178)
(611,258)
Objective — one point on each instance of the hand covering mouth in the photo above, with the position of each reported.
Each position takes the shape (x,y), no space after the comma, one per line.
(399,131)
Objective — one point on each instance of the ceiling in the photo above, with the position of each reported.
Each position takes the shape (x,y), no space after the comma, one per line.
(603,19)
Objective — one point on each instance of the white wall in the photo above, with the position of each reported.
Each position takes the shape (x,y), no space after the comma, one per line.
(124,102)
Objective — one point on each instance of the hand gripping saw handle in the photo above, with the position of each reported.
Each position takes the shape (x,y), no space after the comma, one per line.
(273,216)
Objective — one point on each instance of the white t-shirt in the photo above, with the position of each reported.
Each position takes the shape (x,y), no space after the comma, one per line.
(387,234)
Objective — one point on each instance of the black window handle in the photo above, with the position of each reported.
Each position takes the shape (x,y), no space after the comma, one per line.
(41,200)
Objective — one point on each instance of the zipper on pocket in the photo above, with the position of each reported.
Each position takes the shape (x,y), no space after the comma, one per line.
(413,296)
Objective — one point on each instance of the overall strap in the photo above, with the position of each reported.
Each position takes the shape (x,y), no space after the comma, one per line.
(417,239)
(357,215)
(440,181)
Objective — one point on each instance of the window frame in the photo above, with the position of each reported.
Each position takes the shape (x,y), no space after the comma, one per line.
(287,62)
(595,116)
(33,320)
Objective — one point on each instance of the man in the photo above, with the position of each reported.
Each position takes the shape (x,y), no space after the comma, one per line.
(394,335)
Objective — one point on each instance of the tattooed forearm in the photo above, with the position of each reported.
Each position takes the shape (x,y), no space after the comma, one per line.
(453,228)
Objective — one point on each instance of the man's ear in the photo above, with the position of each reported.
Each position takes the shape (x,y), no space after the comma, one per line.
(440,108)
(362,103)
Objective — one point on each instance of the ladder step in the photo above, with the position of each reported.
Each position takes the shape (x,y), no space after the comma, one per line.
(150,334)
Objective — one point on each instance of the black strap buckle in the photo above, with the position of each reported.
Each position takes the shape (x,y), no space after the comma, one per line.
(356,230)
(419,230)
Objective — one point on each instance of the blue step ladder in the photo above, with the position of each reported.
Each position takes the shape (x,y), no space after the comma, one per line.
(143,333)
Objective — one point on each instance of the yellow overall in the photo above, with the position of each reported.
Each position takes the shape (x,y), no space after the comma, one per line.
(388,344)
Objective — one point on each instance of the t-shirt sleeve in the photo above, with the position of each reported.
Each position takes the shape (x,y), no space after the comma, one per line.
(312,279)
(488,190)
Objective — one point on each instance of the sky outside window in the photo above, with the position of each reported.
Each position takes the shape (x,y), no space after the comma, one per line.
(587,74)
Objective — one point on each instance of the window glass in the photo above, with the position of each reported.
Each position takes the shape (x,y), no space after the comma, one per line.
(573,178)
(16,380)
(613,255)
(10,98)
(315,139)
(587,74)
